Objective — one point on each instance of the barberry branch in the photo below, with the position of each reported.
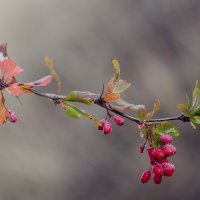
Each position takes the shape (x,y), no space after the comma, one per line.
(55,98)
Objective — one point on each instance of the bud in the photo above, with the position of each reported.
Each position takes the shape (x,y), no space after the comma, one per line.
(107,128)
(11,116)
(118,120)
(101,124)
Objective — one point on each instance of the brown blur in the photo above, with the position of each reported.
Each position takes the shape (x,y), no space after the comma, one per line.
(46,156)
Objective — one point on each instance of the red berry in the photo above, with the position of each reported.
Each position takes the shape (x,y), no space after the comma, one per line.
(157,179)
(168,169)
(142,148)
(150,150)
(165,138)
(157,170)
(152,162)
(169,149)
(162,160)
(118,120)
(158,153)
(107,128)
(146,175)
(11,116)
(101,124)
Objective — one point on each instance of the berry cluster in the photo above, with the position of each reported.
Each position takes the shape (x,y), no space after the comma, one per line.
(106,126)
(159,160)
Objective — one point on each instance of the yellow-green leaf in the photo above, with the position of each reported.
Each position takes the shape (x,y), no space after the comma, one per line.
(195,119)
(156,108)
(193,125)
(81,113)
(117,71)
(121,86)
(50,64)
(70,112)
(141,113)
(86,97)
(196,98)
(184,109)
(125,106)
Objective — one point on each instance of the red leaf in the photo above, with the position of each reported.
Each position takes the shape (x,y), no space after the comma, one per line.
(15,72)
(7,66)
(41,82)
(16,89)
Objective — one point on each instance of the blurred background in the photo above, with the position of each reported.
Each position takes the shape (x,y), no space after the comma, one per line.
(46,156)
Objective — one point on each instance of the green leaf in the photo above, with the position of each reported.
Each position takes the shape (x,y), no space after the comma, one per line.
(156,108)
(78,112)
(188,102)
(86,97)
(192,108)
(156,140)
(121,102)
(169,128)
(142,114)
(121,86)
(196,99)
(195,119)
(125,106)
(121,108)
(196,112)
(193,125)
(70,112)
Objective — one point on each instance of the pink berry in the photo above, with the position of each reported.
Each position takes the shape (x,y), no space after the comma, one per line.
(107,128)
(165,138)
(157,170)
(11,116)
(162,160)
(146,175)
(157,179)
(118,120)
(169,149)
(158,153)
(101,124)
(168,169)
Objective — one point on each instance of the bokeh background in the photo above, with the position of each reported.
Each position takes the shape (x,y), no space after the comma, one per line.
(45,156)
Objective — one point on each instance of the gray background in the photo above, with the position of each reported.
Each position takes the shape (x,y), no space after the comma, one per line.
(45,156)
